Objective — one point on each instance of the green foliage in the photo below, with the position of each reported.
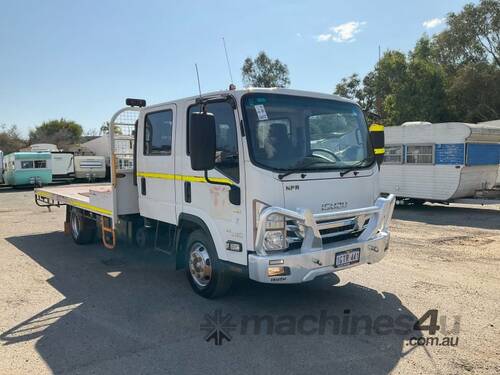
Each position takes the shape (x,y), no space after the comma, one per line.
(59,132)
(474,93)
(473,35)
(265,72)
(10,139)
(455,76)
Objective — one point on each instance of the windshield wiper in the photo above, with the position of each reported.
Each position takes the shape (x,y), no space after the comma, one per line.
(356,166)
(302,168)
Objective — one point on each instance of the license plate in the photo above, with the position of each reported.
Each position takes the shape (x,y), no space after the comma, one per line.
(346,258)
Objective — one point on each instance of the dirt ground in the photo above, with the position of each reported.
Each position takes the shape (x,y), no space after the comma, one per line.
(83,309)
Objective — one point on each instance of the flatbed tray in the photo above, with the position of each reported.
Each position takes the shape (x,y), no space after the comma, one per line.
(95,198)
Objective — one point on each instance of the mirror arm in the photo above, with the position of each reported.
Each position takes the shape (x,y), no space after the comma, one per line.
(216,182)
(234,190)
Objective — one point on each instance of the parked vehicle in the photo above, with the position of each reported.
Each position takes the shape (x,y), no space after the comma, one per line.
(90,168)
(27,169)
(1,167)
(231,182)
(123,143)
(440,162)
(63,167)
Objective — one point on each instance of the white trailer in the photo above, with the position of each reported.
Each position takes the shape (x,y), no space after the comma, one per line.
(1,167)
(63,167)
(249,181)
(440,162)
(89,168)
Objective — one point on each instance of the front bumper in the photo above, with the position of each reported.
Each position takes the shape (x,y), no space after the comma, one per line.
(315,258)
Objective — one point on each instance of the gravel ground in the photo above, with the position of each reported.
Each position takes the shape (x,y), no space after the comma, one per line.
(83,309)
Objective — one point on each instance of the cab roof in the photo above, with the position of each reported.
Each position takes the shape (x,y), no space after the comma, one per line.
(273,90)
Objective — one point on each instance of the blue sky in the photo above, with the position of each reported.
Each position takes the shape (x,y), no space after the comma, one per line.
(81,59)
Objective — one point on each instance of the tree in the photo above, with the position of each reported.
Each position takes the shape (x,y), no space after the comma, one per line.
(474,93)
(59,132)
(473,35)
(265,72)
(363,92)
(10,139)
(453,76)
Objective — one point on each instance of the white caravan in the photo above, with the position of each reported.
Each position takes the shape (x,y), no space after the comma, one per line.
(1,167)
(89,167)
(63,167)
(440,162)
(278,185)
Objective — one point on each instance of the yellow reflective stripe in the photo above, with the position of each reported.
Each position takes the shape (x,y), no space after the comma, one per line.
(163,176)
(89,207)
(76,203)
(43,194)
(178,177)
(379,151)
(376,128)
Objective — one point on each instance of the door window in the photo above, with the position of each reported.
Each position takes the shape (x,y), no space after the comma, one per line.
(226,155)
(158,133)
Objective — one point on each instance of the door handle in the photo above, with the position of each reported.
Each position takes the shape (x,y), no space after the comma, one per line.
(187,191)
(143,186)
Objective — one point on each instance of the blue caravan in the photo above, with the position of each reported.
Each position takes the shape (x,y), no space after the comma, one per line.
(27,169)
(440,162)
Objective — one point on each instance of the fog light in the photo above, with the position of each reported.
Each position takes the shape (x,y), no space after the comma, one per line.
(278,271)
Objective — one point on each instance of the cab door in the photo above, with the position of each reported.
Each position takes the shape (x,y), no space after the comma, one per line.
(156,164)
(210,202)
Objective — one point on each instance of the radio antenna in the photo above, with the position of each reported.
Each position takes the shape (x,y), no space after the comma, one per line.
(199,85)
(227,60)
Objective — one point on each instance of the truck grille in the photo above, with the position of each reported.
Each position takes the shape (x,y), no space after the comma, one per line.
(330,230)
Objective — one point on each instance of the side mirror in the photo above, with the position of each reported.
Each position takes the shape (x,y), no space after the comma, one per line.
(378,142)
(202,141)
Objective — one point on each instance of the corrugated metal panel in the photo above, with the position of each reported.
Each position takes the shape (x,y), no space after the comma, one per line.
(434,182)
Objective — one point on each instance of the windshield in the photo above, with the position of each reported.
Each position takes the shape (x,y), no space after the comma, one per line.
(298,133)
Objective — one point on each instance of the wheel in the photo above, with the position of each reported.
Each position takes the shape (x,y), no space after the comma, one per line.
(82,229)
(144,238)
(206,273)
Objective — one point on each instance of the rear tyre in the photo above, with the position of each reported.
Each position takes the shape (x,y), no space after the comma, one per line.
(83,229)
(144,238)
(206,273)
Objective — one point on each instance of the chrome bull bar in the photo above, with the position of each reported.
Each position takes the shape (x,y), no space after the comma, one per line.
(378,216)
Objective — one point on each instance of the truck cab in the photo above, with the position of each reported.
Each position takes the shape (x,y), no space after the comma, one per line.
(280,185)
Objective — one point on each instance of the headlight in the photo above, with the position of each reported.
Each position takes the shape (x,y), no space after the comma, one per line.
(275,240)
(274,229)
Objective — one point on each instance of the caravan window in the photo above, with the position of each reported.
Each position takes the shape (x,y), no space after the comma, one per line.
(421,154)
(26,164)
(40,163)
(393,154)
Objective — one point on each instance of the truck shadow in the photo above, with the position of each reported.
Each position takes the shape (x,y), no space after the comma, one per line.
(122,312)
(435,214)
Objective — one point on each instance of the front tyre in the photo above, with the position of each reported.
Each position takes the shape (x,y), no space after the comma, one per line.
(206,273)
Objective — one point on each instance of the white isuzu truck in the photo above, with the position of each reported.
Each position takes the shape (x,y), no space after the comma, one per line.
(277,185)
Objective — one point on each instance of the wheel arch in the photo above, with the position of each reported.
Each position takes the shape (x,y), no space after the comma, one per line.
(187,224)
